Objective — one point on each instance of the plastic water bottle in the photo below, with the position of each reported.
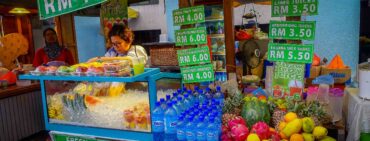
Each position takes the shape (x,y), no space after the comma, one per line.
(184,90)
(190,133)
(163,104)
(180,132)
(175,106)
(212,130)
(191,97)
(174,96)
(187,102)
(219,96)
(201,130)
(195,92)
(201,97)
(170,120)
(158,125)
(208,93)
(168,98)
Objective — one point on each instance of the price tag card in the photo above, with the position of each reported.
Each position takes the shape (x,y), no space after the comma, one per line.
(191,36)
(294,7)
(189,15)
(293,30)
(197,74)
(290,53)
(193,56)
(288,79)
(292,71)
(63,137)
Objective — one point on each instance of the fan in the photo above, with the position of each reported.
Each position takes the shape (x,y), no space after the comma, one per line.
(250,54)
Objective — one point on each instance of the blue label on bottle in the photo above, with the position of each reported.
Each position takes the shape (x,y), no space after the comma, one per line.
(211,136)
(190,135)
(180,134)
(158,126)
(170,126)
(201,135)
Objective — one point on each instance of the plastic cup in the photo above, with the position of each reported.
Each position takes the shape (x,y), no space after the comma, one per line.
(138,64)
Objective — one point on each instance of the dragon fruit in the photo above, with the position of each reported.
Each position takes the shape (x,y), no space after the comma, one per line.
(237,120)
(262,130)
(239,132)
(275,136)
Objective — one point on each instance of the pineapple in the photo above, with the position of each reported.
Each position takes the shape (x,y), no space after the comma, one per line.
(277,116)
(233,102)
(227,117)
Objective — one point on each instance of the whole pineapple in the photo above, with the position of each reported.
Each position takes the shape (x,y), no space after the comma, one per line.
(277,116)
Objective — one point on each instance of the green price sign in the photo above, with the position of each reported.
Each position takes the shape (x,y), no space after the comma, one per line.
(290,71)
(189,15)
(52,8)
(191,36)
(294,7)
(62,137)
(290,53)
(193,56)
(198,74)
(292,30)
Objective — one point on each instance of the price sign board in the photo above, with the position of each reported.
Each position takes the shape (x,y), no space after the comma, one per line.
(293,30)
(294,7)
(290,53)
(52,8)
(193,56)
(189,15)
(288,79)
(292,71)
(63,137)
(191,36)
(197,74)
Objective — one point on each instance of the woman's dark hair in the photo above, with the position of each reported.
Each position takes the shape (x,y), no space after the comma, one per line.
(122,31)
(48,29)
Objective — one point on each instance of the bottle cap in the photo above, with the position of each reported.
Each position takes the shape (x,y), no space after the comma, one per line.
(169,104)
(196,88)
(179,91)
(208,89)
(179,98)
(184,89)
(174,101)
(162,99)
(186,95)
(200,91)
(168,97)
(218,88)
(157,104)
(189,91)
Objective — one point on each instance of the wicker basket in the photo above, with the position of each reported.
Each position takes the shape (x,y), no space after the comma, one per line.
(340,75)
(315,71)
(164,55)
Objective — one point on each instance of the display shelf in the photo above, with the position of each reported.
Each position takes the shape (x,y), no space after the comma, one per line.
(216,35)
(221,71)
(151,77)
(216,53)
(140,77)
(214,19)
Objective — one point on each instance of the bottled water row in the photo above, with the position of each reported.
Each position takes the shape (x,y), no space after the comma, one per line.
(189,116)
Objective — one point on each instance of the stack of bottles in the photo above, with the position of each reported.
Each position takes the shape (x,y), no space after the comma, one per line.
(189,116)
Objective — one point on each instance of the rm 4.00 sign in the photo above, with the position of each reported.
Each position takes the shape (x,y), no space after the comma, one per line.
(294,7)
(293,30)
(189,15)
(191,36)
(193,56)
(201,73)
(290,53)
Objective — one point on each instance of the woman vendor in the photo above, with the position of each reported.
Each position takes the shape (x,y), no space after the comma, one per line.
(121,38)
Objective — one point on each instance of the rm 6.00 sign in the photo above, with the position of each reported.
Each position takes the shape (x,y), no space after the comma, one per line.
(290,53)
(191,36)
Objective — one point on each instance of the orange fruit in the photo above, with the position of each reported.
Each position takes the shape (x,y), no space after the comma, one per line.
(282,125)
(296,137)
(283,136)
(290,117)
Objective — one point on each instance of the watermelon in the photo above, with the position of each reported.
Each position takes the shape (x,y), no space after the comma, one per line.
(255,110)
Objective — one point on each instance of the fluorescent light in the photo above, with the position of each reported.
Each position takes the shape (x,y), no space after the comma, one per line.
(19,11)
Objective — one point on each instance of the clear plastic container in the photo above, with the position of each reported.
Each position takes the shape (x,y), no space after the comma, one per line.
(336,102)
(23,82)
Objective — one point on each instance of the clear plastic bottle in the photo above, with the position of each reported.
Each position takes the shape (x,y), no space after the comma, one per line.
(190,130)
(163,104)
(201,129)
(219,96)
(201,97)
(208,93)
(174,106)
(180,131)
(191,97)
(179,105)
(168,98)
(174,96)
(179,92)
(158,122)
(212,130)
(187,101)
(170,120)
(195,92)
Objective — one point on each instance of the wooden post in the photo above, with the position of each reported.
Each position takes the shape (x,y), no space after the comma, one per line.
(229,35)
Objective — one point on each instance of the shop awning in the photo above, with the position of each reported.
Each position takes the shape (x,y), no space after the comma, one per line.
(132,13)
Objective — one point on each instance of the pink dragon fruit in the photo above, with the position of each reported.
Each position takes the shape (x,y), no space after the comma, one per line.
(275,136)
(237,120)
(226,137)
(262,130)
(239,132)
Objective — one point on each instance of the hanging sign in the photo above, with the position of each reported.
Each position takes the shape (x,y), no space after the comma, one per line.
(290,53)
(203,73)
(52,8)
(193,56)
(294,7)
(189,15)
(64,137)
(293,30)
(288,79)
(191,36)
